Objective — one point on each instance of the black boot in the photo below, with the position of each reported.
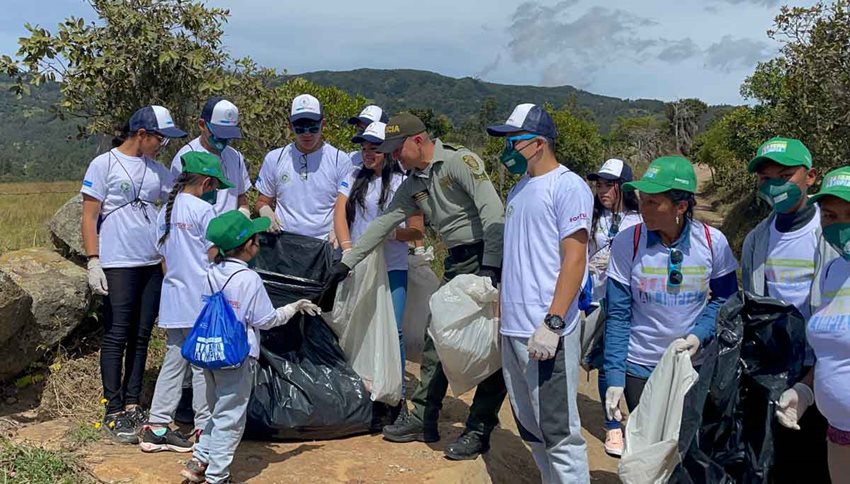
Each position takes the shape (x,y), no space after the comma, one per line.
(379,416)
(468,446)
(408,428)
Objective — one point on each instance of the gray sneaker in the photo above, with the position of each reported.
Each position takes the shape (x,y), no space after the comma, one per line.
(120,428)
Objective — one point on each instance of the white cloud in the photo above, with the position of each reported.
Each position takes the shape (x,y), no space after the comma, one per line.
(733,54)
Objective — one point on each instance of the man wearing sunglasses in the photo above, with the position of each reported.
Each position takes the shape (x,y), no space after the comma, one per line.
(450,186)
(547,226)
(298,183)
(783,258)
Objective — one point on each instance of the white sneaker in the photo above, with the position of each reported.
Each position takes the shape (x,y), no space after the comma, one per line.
(614,443)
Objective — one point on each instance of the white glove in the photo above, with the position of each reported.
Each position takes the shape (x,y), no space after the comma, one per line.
(543,343)
(245,211)
(793,404)
(97,279)
(689,343)
(286,313)
(267,211)
(612,403)
(420,250)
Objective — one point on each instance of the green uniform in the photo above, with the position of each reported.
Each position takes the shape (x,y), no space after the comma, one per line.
(457,199)
(460,202)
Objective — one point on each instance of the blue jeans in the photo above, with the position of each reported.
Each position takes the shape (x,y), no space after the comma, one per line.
(398,288)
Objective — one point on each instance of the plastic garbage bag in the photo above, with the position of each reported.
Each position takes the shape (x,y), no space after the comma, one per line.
(303,387)
(592,332)
(465,330)
(364,321)
(652,431)
(422,283)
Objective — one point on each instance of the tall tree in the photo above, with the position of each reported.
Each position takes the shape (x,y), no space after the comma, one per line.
(684,117)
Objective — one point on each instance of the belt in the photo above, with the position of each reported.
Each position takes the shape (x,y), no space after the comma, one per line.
(466,251)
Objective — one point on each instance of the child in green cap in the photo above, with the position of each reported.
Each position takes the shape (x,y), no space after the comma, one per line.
(782,258)
(186,256)
(828,332)
(236,243)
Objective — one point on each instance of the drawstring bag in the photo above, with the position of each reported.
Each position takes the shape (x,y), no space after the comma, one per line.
(218,339)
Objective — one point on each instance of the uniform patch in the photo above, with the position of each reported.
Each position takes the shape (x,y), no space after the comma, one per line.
(473,164)
(446,182)
(420,197)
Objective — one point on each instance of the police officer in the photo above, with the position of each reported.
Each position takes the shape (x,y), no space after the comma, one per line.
(450,186)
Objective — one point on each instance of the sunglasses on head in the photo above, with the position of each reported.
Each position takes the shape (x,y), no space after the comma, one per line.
(511,141)
(312,129)
(675,277)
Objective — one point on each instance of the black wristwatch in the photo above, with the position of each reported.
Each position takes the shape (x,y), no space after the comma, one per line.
(554,322)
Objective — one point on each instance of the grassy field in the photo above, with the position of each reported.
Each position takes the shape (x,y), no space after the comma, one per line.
(25,209)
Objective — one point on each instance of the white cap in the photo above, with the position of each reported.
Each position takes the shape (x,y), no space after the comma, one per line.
(374,133)
(613,169)
(370,114)
(306,106)
(222,118)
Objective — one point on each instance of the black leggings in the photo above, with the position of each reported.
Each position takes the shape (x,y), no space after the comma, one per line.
(633,391)
(129,313)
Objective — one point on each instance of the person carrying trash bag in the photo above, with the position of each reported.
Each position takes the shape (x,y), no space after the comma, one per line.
(450,186)
(667,278)
(783,257)
(228,389)
(828,333)
(547,226)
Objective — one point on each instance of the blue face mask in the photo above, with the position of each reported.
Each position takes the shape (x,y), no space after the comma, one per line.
(513,160)
(218,144)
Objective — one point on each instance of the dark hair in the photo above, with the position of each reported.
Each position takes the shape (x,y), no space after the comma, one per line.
(682,196)
(184,180)
(234,252)
(357,197)
(627,203)
(121,137)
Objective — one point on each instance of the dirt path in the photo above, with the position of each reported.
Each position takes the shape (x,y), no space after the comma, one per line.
(707,202)
(358,459)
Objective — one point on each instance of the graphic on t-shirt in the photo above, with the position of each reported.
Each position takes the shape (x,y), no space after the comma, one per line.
(790,271)
(652,287)
(834,316)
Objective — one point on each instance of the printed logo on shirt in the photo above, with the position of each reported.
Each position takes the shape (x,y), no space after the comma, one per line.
(581,216)
(124,186)
(284,178)
(87,183)
(343,184)
(790,271)
(177,226)
(509,211)
(834,315)
(233,303)
(652,287)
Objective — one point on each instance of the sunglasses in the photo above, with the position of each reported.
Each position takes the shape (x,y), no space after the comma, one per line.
(307,129)
(613,230)
(511,141)
(163,140)
(675,277)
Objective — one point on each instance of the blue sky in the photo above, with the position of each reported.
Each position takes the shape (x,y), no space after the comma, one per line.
(663,49)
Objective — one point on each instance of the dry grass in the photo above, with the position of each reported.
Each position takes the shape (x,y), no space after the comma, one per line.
(25,209)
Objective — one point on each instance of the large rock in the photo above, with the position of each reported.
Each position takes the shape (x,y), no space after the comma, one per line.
(43,298)
(65,230)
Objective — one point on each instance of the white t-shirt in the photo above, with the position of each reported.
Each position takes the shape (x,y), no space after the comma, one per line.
(661,314)
(600,248)
(304,187)
(246,295)
(126,236)
(541,212)
(233,165)
(395,251)
(790,268)
(186,260)
(828,333)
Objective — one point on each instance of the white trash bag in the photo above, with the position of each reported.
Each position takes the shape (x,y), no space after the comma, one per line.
(422,283)
(465,330)
(364,321)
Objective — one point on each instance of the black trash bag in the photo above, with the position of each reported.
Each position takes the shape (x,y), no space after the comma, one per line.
(728,420)
(303,387)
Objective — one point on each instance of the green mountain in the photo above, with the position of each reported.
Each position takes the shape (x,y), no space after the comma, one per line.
(461,99)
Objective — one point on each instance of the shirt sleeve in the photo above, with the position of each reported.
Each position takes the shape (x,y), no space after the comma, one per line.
(260,311)
(344,167)
(618,298)
(166,180)
(246,180)
(723,261)
(206,218)
(622,256)
(177,162)
(573,206)
(267,179)
(346,184)
(95,181)
(468,171)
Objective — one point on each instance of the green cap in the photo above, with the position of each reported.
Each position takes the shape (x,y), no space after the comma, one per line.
(785,151)
(665,174)
(399,127)
(835,183)
(207,164)
(232,229)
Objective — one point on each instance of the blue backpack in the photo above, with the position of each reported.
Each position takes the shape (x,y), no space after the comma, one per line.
(218,339)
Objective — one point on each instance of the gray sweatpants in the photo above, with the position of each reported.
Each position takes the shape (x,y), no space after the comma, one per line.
(228,391)
(169,383)
(543,399)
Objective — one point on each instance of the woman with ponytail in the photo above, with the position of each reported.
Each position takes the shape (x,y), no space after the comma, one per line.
(362,198)
(186,254)
(121,192)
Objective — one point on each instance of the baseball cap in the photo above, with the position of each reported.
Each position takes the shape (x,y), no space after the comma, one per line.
(835,183)
(232,229)
(306,106)
(398,129)
(374,133)
(527,117)
(613,169)
(156,119)
(785,151)
(665,174)
(222,118)
(204,163)
(370,114)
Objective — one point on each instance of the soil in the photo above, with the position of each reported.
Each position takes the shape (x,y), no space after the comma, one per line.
(366,458)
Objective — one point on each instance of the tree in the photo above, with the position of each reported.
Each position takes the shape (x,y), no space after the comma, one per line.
(579,144)
(438,125)
(684,117)
(638,139)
